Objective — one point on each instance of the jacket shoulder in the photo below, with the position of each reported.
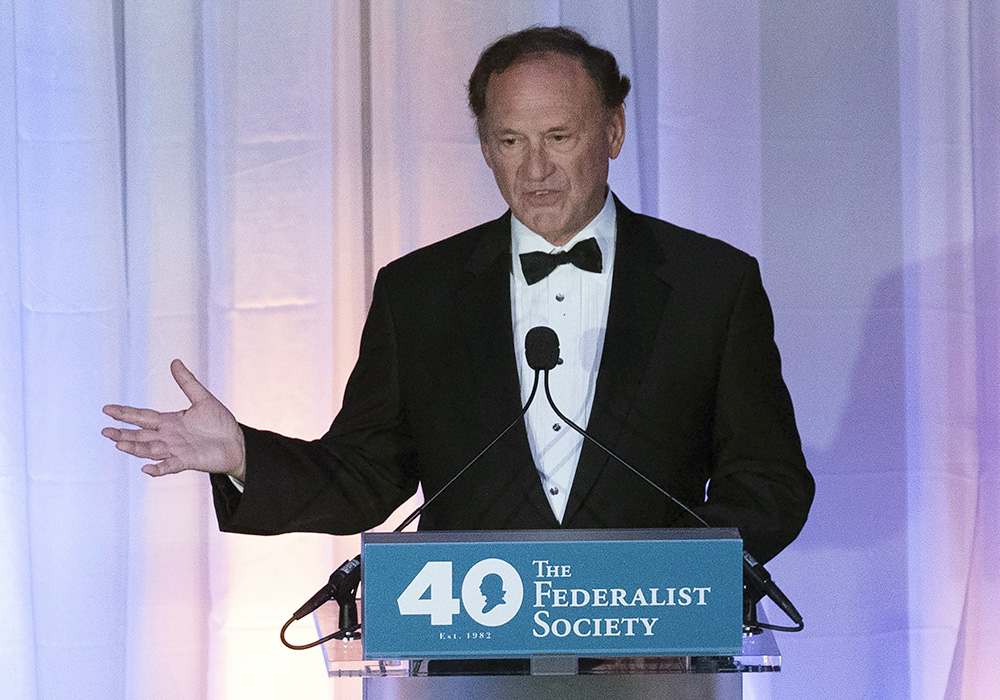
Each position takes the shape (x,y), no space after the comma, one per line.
(687,240)
(688,252)
(447,259)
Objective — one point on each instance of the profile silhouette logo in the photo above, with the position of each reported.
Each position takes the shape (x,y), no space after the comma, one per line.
(492,592)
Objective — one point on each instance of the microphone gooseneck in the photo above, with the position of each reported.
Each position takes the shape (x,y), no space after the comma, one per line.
(753,570)
(343,584)
(531,397)
(584,433)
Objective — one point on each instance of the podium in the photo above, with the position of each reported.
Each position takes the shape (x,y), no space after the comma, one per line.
(548,614)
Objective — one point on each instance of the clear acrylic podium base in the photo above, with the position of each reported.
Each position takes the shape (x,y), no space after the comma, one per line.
(343,660)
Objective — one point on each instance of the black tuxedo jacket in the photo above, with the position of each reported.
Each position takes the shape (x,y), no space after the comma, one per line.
(689,392)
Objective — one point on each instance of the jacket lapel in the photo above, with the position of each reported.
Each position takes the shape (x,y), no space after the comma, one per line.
(639,293)
(484,314)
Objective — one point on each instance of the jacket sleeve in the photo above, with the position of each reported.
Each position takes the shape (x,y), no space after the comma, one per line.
(759,482)
(347,481)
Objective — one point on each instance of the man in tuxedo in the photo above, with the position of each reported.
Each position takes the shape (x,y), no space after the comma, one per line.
(667,355)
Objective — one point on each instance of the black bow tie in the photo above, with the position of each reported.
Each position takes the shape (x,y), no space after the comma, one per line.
(585,255)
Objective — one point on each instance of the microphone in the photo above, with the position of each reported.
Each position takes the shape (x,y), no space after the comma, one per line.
(545,351)
(541,347)
(343,576)
(341,587)
(760,577)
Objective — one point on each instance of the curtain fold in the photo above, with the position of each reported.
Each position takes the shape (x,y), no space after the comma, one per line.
(17,637)
(951,195)
(167,273)
(67,227)
(220,181)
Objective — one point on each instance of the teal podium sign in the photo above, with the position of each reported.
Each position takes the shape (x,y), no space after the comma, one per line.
(568,592)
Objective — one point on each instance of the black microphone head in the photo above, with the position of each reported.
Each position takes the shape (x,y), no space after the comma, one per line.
(541,348)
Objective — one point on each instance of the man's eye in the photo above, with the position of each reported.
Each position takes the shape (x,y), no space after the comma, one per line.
(508,141)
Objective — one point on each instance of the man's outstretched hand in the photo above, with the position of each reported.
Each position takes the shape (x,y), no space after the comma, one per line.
(205,437)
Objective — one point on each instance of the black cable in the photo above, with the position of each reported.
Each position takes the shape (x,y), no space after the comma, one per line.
(781,628)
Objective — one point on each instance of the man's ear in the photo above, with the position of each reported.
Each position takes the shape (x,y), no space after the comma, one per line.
(615,131)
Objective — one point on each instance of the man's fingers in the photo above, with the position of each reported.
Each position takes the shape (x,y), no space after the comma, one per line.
(155,449)
(118,434)
(143,417)
(189,384)
(171,465)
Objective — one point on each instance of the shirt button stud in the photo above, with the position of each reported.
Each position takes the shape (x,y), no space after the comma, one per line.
(556,427)
(554,491)
(560,297)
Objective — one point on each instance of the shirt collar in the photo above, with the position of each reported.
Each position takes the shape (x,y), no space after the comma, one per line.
(601,227)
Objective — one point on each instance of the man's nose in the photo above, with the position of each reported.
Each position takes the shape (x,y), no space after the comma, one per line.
(538,165)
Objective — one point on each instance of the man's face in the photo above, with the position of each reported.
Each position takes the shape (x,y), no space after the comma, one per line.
(548,139)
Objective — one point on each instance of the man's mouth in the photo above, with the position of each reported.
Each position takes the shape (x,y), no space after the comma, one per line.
(541,196)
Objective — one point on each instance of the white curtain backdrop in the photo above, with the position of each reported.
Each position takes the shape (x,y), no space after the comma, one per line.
(219,180)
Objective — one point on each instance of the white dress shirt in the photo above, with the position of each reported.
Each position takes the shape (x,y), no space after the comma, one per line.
(573,303)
